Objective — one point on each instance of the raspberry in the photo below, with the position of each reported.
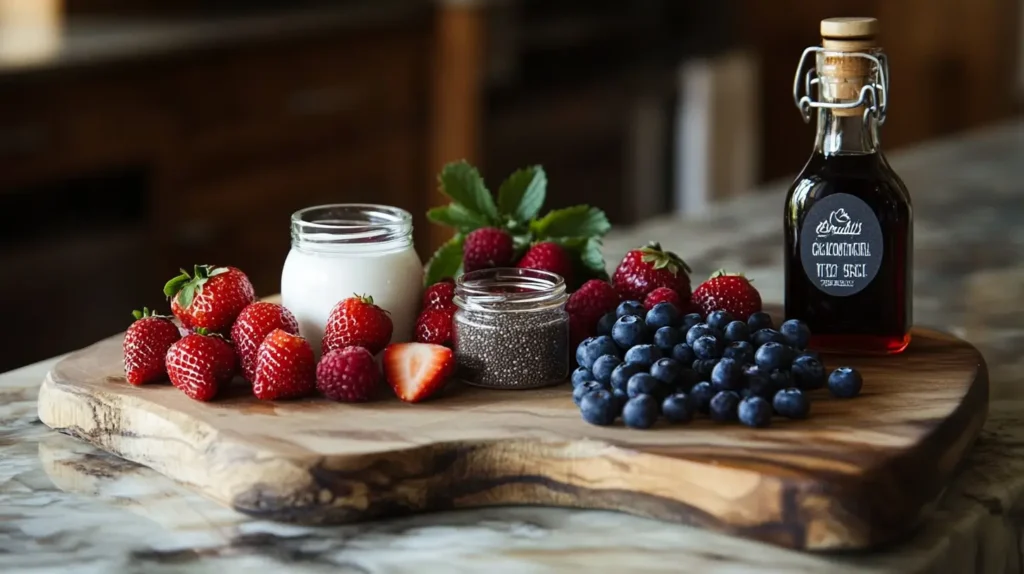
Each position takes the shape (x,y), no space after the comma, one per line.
(435,326)
(593,299)
(485,248)
(349,375)
(662,294)
(550,257)
(438,296)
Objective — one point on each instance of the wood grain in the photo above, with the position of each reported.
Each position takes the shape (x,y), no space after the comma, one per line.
(857,474)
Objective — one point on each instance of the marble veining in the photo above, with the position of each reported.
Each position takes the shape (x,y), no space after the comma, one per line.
(67,507)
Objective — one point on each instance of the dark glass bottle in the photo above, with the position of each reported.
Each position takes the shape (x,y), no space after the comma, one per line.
(848,216)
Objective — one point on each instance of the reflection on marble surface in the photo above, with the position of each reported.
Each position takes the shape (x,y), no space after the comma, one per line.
(67,507)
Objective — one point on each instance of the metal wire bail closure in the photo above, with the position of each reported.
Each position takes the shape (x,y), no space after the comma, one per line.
(874,97)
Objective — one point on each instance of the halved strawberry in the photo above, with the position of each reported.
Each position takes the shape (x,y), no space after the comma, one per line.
(417,370)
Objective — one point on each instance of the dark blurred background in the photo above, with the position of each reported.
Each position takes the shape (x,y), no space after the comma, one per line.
(140,136)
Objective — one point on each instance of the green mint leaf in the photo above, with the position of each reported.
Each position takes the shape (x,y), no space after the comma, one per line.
(576,221)
(446,261)
(592,257)
(462,182)
(522,194)
(457,216)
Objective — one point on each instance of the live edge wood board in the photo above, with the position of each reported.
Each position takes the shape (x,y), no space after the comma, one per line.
(857,474)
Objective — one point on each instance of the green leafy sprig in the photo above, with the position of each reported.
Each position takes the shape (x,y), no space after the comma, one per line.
(521,197)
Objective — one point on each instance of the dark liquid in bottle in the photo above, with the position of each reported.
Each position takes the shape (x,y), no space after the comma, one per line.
(876,319)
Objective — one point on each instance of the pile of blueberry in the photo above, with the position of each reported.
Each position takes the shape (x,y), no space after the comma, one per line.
(643,365)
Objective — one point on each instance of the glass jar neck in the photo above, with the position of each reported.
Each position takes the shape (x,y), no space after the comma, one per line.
(348,228)
(510,290)
(846,134)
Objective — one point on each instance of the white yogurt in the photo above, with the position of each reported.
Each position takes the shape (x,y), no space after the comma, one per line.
(343,250)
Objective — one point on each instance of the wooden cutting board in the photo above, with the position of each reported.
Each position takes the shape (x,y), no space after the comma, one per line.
(857,474)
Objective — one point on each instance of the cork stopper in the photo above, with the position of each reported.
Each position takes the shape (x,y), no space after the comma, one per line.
(843,76)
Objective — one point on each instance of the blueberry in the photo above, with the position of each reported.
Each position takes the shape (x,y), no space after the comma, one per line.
(707,347)
(643,384)
(663,314)
(581,352)
(727,375)
(698,331)
(629,331)
(704,367)
(755,411)
(620,396)
(773,356)
(667,371)
(604,324)
(700,396)
(645,355)
(808,373)
(580,376)
(640,412)
(759,338)
(587,387)
(684,354)
(677,408)
(792,404)
(666,338)
(627,308)
(603,367)
(741,351)
(809,353)
(723,406)
(599,408)
(691,320)
(845,382)
(719,319)
(759,320)
(592,348)
(759,384)
(780,378)
(622,373)
(687,378)
(736,331)
(797,333)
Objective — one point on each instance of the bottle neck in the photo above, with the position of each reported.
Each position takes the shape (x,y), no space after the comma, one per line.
(846,134)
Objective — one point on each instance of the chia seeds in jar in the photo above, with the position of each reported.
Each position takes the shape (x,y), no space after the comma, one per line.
(511,330)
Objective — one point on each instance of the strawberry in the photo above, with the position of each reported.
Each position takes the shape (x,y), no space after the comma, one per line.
(644,270)
(485,248)
(439,295)
(145,347)
(210,299)
(435,326)
(417,370)
(357,321)
(349,375)
(253,325)
(586,305)
(199,363)
(547,256)
(732,293)
(285,367)
(664,294)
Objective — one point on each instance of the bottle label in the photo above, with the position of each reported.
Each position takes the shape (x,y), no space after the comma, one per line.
(841,244)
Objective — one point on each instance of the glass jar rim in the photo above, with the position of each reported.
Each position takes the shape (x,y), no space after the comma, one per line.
(509,289)
(337,224)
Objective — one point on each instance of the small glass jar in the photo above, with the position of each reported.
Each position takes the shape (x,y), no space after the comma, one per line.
(351,249)
(510,329)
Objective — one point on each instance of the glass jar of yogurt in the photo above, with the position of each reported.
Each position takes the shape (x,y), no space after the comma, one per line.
(351,249)
(510,328)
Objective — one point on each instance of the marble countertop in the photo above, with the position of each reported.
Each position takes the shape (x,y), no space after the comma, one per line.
(67,507)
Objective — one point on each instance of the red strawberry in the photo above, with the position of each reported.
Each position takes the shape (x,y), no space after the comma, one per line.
(593,299)
(439,295)
(210,299)
(548,256)
(644,270)
(435,326)
(357,321)
(732,293)
(661,295)
(285,367)
(485,248)
(145,347)
(417,370)
(199,363)
(349,375)
(253,325)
